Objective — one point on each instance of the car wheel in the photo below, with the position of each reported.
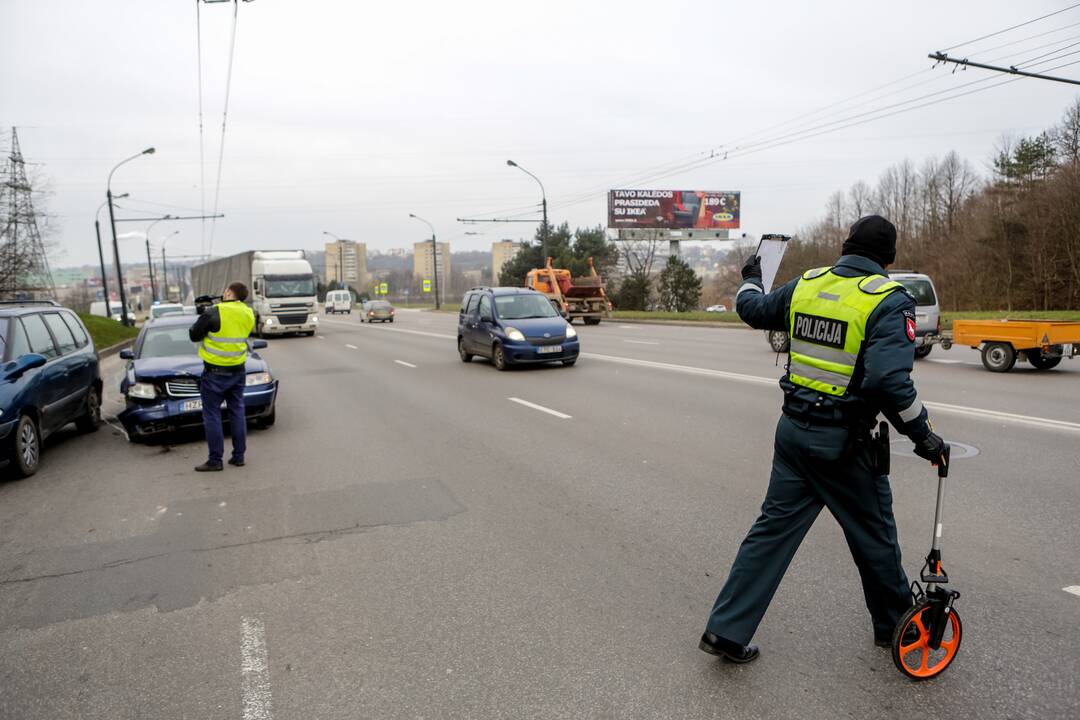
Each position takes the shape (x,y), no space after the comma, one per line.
(465,355)
(921,352)
(90,421)
(498,357)
(998,357)
(26,447)
(592,321)
(265,422)
(1043,362)
(779,341)
(391,319)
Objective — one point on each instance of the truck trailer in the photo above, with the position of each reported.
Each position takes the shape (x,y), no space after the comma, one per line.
(281,288)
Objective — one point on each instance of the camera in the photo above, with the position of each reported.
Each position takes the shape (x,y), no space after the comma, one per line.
(204,301)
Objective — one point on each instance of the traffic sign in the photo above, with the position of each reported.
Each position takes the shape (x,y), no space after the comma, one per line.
(384,289)
(427,286)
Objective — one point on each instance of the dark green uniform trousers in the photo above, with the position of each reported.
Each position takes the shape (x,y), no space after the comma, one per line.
(811,470)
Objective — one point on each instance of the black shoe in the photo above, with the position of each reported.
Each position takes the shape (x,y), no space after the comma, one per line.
(911,634)
(208,467)
(238,462)
(733,651)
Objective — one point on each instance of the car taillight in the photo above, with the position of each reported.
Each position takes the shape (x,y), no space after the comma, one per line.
(391,312)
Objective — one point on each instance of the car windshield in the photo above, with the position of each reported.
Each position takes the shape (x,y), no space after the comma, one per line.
(379,305)
(278,286)
(167,342)
(921,290)
(519,307)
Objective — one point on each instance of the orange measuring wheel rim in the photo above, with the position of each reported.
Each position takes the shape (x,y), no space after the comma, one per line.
(917,659)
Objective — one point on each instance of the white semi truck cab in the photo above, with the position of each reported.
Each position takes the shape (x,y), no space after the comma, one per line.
(283,293)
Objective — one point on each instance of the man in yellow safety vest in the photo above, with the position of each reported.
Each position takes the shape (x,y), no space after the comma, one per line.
(222,331)
(852,333)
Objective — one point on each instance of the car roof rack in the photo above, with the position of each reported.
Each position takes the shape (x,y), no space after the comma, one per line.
(30,302)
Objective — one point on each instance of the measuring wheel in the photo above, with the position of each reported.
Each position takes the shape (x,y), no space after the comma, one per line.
(913,649)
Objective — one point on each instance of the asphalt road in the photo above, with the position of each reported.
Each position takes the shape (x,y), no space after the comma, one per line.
(416,537)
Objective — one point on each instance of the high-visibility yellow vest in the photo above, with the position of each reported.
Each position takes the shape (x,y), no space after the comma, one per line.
(228,346)
(828,326)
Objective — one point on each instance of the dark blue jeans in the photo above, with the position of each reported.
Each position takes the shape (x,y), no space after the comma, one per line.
(215,388)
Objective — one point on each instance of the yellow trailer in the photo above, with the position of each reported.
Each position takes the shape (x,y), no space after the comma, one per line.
(1043,343)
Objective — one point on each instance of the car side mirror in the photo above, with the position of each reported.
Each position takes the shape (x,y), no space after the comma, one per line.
(127,354)
(22,364)
(258,344)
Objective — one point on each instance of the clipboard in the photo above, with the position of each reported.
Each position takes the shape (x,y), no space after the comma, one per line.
(771,250)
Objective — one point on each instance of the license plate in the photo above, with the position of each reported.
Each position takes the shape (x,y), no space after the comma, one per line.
(193,406)
(549,349)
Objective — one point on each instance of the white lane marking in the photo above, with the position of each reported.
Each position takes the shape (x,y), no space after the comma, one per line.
(351,347)
(943,361)
(641,342)
(979,413)
(441,336)
(628,327)
(1074,589)
(683,368)
(984,414)
(541,408)
(320,337)
(255,671)
(406,364)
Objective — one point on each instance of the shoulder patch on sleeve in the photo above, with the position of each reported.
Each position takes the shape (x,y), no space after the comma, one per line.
(909,326)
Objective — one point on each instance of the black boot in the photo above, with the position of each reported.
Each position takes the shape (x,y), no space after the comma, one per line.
(208,467)
(911,634)
(733,651)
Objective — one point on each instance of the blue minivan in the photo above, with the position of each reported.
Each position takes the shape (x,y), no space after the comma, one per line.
(49,377)
(514,326)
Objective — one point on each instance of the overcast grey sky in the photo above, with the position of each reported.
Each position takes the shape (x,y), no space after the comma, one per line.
(346,116)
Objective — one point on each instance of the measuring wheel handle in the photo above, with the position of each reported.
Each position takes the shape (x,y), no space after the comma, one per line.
(927,638)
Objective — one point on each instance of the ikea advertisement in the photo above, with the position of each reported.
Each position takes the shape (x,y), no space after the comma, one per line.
(674,209)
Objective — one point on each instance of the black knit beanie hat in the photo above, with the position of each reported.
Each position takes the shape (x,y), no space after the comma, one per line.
(872,237)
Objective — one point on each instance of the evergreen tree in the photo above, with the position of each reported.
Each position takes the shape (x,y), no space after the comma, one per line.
(680,287)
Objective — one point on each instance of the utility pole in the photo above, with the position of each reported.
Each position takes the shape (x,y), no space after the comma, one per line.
(101,257)
(116,245)
(434,257)
(150,269)
(164,277)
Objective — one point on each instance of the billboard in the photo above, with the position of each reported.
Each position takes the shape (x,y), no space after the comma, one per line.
(673,209)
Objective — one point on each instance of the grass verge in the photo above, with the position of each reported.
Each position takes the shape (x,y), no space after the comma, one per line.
(106,332)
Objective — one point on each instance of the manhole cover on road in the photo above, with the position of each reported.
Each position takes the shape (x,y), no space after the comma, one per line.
(960,451)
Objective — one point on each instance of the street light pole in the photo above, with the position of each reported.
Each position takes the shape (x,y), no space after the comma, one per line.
(434,257)
(164,269)
(543,196)
(101,256)
(116,246)
(149,263)
(340,257)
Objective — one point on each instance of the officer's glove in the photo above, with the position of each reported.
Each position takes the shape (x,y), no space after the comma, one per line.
(931,448)
(751,269)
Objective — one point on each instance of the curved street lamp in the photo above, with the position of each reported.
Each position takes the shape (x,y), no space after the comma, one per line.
(543,196)
(112,221)
(434,256)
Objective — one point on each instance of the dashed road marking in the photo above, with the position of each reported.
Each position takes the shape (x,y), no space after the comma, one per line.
(1074,589)
(943,361)
(641,342)
(320,337)
(406,364)
(979,413)
(351,347)
(541,408)
(255,671)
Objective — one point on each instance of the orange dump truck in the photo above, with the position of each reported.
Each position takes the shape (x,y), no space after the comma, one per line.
(1043,343)
(577,297)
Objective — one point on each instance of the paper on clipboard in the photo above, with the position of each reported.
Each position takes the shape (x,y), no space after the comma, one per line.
(771,251)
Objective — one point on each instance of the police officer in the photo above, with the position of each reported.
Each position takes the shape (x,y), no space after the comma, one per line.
(222,331)
(852,336)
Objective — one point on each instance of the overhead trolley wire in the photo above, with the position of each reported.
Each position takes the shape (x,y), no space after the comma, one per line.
(202,151)
(224,122)
(1008,29)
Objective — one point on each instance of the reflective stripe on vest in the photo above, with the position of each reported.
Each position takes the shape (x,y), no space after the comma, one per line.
(828,326)
(228,346)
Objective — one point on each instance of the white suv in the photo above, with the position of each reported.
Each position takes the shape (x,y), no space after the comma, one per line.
(927,309)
